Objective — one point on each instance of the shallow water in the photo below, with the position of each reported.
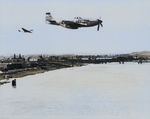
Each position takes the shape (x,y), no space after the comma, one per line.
(107,91)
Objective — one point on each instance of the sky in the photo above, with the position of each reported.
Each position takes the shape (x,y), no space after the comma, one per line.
(126,27)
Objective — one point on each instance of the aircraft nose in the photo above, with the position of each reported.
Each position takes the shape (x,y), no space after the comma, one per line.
(100,22)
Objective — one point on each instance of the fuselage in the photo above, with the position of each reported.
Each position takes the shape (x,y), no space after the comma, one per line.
(88,23)
(73,24)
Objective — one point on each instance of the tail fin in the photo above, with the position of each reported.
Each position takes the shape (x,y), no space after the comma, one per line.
(48,16)
(49,19)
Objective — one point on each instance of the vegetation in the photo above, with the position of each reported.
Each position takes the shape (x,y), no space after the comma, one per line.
(29,65)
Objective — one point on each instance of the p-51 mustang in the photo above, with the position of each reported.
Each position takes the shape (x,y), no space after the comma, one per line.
(75,24)
(25,30)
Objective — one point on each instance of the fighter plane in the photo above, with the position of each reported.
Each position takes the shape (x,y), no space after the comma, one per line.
(25,30)
(74,24)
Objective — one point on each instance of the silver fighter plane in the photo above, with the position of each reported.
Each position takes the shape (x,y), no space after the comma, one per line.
(74,24)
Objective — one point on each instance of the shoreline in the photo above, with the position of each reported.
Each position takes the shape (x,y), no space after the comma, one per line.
(27,72)
(19,73)
(4,80)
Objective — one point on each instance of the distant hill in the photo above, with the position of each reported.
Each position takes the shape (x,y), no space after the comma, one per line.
(141,54)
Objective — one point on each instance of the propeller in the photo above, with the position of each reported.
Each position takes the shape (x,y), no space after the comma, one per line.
(98,28)
(99,23)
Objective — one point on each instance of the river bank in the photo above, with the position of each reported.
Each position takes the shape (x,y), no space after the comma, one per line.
(4,80)
(4,77)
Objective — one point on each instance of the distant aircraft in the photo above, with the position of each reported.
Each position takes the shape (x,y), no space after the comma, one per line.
(25,30)
(75,24)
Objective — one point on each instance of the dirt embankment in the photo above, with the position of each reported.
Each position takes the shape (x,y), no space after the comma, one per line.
(29,71)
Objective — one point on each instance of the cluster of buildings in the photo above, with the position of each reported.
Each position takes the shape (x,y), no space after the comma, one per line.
(17,62)
(32,61)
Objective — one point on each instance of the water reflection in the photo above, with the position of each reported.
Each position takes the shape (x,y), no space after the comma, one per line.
(14,86)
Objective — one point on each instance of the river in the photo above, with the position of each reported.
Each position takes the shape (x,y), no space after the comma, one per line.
(95,91)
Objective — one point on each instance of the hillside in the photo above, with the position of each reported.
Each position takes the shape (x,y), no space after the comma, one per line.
(141,54)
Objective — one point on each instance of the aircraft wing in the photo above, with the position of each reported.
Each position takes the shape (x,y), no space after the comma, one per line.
(72,24)
(25,30)
(83,24)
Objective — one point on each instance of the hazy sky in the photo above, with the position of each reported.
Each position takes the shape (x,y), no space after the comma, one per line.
(126,27)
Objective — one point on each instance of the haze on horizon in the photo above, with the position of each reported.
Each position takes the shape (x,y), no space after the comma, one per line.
(125,28)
